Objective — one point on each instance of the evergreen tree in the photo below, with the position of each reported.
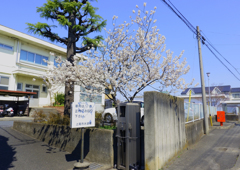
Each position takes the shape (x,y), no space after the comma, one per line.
(79,17)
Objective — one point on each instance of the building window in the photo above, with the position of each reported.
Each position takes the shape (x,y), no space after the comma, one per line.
(236,95)
(87,97)
(95,98)
(44,88)
(32,88)
(4,82)
(19,87)
(33,58)
(6,47)
(56,64)
(107,91)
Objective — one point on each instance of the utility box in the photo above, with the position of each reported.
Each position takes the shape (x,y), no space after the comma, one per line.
(221,117)
(128,134)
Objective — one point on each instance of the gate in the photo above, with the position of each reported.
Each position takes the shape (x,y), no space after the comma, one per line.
(130,137)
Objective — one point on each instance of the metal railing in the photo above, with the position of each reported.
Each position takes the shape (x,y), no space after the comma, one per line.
(194,111)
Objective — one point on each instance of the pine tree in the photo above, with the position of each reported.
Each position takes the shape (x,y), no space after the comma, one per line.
(79,17)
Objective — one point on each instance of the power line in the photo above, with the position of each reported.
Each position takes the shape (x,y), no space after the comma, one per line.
(221,61)
(221,55)
(186,22)
(193,29)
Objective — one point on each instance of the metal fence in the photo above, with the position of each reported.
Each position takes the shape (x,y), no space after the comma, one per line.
(194,111)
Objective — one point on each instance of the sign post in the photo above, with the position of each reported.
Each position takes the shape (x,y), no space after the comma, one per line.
(82,115)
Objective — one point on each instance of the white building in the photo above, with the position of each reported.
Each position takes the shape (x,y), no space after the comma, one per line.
(22,66)
(223,97)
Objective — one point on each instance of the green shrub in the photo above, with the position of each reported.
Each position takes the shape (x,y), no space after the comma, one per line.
(52,118)
(59,99)
(98,119)
(108,127)
(39,117)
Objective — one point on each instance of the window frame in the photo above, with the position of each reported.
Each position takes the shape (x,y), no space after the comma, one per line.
(21,87)
(34,58)
(56,63)
(89,95)
(94,100)
(3,85)
(45,88)
(31,89)
(5,47)
(236,94)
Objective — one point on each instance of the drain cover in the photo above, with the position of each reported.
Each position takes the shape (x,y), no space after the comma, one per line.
(94,166)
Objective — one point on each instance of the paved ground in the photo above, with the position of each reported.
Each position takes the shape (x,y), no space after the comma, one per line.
(21,152)
(217,151)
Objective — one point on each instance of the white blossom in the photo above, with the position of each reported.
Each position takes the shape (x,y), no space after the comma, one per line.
(128,61)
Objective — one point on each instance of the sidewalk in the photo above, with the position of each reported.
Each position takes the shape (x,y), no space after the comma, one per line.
(217,151)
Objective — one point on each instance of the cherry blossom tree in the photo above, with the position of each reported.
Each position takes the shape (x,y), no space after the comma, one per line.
(132,57)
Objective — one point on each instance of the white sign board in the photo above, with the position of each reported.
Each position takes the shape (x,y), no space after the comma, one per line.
(82,114)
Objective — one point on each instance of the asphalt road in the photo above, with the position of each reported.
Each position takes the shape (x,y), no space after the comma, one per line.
(21,152)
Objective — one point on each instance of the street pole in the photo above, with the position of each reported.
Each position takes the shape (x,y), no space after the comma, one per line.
(206,127)
(209,98)
(210,103)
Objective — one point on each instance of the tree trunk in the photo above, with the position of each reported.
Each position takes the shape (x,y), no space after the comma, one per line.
(71,46)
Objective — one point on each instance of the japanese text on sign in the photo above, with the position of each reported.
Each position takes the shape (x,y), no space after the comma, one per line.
(82,114)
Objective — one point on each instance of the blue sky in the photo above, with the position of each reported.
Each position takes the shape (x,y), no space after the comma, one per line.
(219,20)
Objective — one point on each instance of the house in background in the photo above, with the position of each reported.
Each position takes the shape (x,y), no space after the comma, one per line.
(223,97)
(22,66)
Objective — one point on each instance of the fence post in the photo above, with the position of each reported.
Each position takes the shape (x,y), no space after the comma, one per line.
(193,109)
(199,111)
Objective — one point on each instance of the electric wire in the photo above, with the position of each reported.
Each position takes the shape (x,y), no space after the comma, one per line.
(221,55)
(183,17)
(221,61)
(192,29)
(190,26)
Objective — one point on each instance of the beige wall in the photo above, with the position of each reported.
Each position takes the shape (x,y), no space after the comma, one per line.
(44,98)
(6,56)
(24,72)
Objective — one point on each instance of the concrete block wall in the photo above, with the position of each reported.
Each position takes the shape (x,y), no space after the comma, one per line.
(194,130)
(232,117)
(98,143)
(164,123)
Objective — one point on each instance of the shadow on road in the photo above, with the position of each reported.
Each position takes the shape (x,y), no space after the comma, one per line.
(6,154)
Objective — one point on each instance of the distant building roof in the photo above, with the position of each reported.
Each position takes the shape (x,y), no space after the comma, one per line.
(235,89)
(198,90)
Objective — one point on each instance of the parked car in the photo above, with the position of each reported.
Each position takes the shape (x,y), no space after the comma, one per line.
(141,111)
(110,114)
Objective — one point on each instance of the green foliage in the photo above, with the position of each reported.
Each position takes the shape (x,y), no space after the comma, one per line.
(85,21)
(39,117)
(88,41)
(54,119)
(59,99)
(58,119)
(98,119)
(108,127)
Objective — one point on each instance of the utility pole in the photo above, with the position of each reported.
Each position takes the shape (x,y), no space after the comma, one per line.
(206,127)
